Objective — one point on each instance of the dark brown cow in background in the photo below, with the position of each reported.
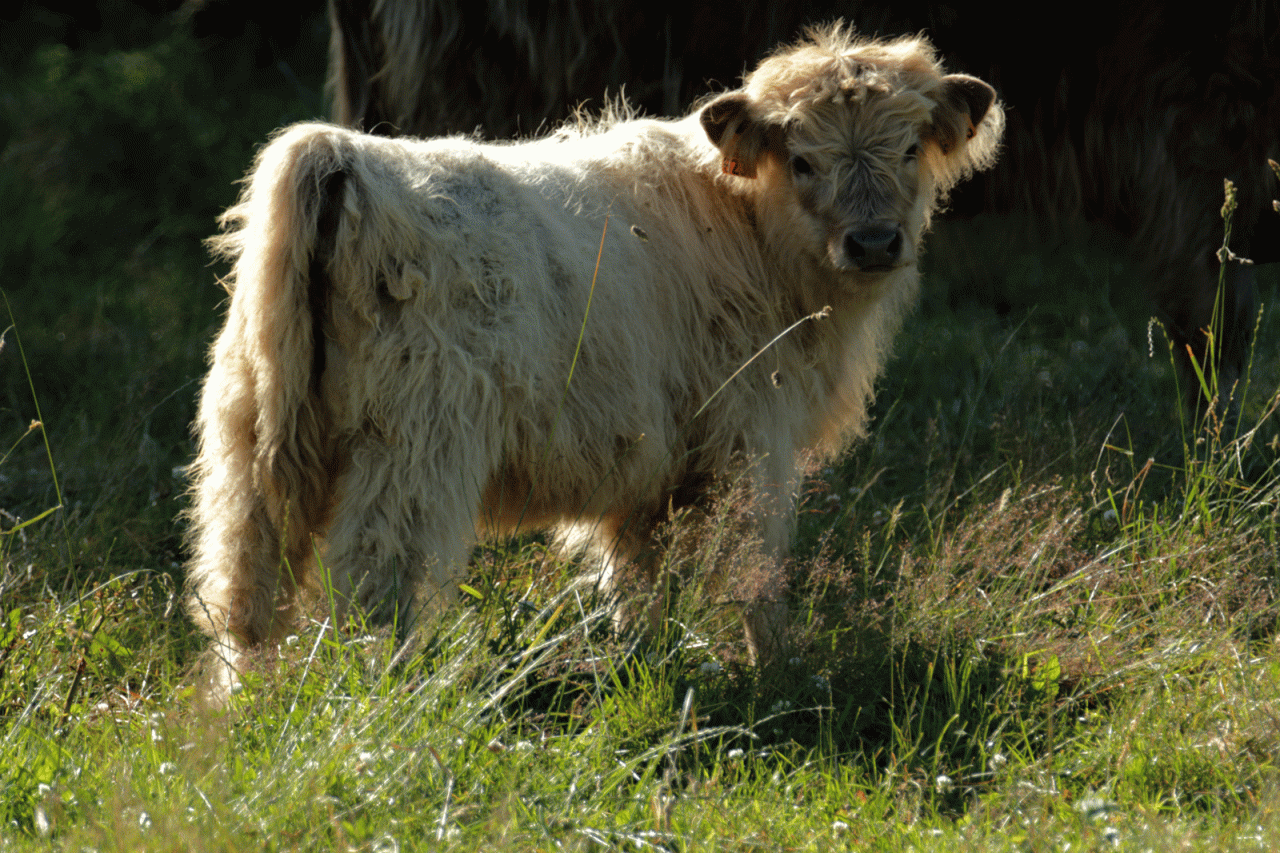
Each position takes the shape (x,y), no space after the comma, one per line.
(1130,114)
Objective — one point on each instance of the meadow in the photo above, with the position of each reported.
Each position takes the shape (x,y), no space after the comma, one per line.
(1034,610)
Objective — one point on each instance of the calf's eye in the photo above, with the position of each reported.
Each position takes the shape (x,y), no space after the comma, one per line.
(913,151)
(800,167)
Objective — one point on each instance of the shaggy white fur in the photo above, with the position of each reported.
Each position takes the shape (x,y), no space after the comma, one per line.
(420,347)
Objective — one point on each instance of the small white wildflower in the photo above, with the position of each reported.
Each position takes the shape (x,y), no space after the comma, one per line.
(1095,808)
(820,684)
(734,753)
(144,821)
(998,760)
(781,706)
(291,640)
(943,783)
(524,746)
(1110,517)
(839,826)
(710,667)
(166,768)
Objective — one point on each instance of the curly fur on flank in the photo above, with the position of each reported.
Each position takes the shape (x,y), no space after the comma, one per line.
(405,365)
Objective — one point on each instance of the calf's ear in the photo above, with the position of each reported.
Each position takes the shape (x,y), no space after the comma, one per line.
(962,104)
(732,126)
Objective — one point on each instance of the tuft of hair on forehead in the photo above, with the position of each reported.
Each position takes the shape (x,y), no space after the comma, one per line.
(903,86)
(833,62)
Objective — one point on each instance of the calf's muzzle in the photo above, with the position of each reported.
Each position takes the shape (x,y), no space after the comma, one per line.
(874,248)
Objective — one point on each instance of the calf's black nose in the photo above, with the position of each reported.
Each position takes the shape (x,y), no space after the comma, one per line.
(874,247)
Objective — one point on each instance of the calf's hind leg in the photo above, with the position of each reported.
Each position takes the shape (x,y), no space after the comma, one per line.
(399,542)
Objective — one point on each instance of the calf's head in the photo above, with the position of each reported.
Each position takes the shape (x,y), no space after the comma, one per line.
(852,144)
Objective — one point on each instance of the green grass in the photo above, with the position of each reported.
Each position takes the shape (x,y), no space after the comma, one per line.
(1034,610)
